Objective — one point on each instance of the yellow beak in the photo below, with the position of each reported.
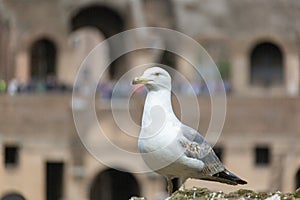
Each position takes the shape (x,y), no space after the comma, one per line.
(139,80)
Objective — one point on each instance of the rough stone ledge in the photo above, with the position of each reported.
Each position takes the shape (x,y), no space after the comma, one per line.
(204,193)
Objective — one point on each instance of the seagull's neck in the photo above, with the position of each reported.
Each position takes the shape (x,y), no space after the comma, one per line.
(157,105)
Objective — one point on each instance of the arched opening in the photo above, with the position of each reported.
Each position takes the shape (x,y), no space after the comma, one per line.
(297,181)
(43,60)
(106,20)
(13,196)
(168,58)
(266,65)
(112,184)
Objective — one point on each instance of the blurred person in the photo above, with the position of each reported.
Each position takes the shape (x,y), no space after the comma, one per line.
(13,87)
(105,89)
(51,82)
(2,86)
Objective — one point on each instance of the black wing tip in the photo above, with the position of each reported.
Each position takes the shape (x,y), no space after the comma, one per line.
(227,175)
(241,182)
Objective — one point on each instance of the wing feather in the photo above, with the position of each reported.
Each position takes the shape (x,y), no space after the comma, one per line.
(197,148)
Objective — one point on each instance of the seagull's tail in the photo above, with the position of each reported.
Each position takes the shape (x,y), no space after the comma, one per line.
(229,178)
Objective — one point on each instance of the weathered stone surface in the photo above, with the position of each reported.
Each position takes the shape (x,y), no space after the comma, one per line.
(242,194)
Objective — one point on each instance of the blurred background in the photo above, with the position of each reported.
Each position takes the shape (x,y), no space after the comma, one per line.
(255,45)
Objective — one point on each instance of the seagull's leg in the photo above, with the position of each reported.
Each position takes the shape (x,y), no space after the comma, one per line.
(182,182)
(170,186)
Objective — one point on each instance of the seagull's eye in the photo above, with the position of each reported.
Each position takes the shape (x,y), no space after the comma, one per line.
(156,73)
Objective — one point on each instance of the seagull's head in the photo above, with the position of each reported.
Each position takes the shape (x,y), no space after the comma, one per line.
(154,78)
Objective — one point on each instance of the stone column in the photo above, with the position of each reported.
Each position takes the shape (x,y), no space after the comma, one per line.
(239,73)
(22,71)
(83,45)
(5,67)
(292,73)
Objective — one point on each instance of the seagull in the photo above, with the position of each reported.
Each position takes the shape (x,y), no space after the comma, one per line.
(169,147)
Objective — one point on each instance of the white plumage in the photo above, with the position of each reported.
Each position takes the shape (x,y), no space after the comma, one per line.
(170,147)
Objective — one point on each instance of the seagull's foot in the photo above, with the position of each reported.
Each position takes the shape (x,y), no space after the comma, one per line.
(182,183)
(182,187)
(170,187)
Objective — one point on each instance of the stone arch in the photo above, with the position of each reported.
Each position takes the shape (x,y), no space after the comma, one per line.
(31,37)
(297,179)
(266,64)
(105,19)
(13,196)
(112,184)
(22,58)
(43,59)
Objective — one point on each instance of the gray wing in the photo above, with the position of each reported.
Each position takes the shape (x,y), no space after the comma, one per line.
(197,148)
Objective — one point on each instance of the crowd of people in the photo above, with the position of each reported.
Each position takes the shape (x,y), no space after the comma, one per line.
(107,89)
(14,86)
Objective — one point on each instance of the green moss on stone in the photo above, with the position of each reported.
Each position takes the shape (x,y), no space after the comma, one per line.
(297,193)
